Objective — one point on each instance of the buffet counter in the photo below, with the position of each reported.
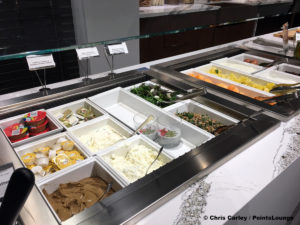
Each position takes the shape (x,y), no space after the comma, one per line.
(210,173)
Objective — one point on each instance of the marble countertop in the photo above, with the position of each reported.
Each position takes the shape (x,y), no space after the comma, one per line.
(198,6)
(230,187)
(154,11)
(258,2)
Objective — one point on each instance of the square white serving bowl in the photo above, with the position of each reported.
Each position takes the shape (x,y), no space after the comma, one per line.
(224,63)
(150,83)
(243,56)
(288,68)
(122,149)
(90,168)
(53,125)
(58,111)
(82,129)
(147,83)
(278,77)
(49,141)
(195,107)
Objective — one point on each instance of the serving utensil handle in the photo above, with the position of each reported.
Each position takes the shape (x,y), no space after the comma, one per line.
(17,192)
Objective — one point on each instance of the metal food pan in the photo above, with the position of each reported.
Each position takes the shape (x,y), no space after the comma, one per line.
(194,107)
(54,128)
(92,125)
(49,141)
(73,106)
(91,168)
(123,148)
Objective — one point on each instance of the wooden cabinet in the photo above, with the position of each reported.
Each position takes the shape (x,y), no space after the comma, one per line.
(175,44)
(162,46)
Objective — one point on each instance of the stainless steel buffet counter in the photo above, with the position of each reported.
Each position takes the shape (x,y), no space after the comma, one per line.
(199,152)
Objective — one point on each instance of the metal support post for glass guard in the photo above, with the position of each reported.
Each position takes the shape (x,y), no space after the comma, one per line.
(84,54)
(110,64)
(37,63)
(112,50)
(86,78)
(43,85)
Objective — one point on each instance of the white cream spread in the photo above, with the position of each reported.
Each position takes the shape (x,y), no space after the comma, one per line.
(134,164)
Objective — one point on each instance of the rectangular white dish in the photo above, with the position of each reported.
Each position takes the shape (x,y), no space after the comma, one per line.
(150,83)
(244,56)
(288,68)
(238,66)
(243,89)
(94,125)
(90,168)
(122,149)
(278,77)
(53,125)
(73,106)
(195,107)
(45,142)
(124,106)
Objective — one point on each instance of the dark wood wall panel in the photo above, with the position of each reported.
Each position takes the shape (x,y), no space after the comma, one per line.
(28,25)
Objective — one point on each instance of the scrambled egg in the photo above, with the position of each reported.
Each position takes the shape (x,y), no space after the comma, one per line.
(242,80)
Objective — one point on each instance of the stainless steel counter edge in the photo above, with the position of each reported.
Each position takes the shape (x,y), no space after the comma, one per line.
(35,211)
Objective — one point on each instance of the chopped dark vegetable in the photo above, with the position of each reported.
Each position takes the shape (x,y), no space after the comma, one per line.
(202,121)
(155,95)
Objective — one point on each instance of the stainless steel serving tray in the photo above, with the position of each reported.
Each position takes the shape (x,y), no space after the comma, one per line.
(171,71)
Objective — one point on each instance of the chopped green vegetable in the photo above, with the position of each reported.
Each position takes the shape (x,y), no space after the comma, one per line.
(155,94)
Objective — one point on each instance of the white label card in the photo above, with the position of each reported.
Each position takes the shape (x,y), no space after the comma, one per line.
(297,36)
(116,49)
(33,114)
(5,173)
(38,62)
(15,132)
(85,53)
